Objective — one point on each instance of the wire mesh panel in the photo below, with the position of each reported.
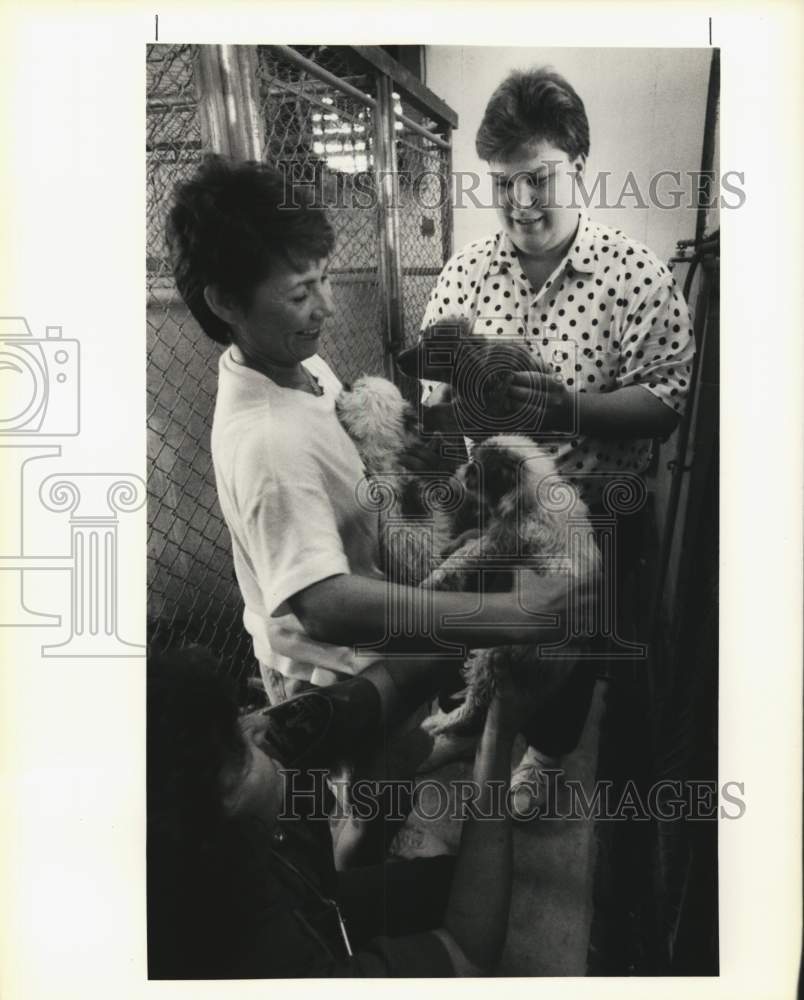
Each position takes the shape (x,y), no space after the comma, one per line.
(425,220)
(321,132)
(322,136)
(192,594)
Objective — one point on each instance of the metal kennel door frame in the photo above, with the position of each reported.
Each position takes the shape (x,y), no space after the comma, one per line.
(232,125)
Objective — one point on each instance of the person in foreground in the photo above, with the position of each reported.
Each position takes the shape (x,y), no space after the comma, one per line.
(241,880)
(606,325)
(250,259)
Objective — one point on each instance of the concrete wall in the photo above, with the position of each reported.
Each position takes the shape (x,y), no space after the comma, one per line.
(646,113)
(646,110)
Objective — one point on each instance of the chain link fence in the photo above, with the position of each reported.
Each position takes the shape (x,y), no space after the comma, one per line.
(320,129)
(425,220)
(325,137)
(192,594)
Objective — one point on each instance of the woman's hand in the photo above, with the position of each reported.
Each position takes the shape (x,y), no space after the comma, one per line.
(440,417)
(420,457)
(544,402)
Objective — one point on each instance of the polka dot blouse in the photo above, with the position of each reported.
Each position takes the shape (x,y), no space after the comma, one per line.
(609,316)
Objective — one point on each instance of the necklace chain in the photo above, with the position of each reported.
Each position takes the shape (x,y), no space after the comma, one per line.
(270,371)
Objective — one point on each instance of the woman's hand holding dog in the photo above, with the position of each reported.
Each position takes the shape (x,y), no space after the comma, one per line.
(421,457)
(539,398)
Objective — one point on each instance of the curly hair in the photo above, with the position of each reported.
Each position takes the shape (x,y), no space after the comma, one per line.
(537,104)
(229,224)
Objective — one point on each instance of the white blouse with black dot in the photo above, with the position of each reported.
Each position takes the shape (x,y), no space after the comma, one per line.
(609,316)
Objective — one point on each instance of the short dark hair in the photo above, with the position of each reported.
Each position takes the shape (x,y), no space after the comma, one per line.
(537,104)
(192,735)
(229,223)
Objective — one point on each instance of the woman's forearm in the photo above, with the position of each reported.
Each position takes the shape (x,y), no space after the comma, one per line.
(631,412)
(356,610)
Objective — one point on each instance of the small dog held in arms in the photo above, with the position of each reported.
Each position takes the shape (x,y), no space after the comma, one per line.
(421,513)
(527,515)
(414,526)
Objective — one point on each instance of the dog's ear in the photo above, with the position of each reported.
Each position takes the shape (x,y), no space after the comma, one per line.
(470,474)
(501,475)
(410,421)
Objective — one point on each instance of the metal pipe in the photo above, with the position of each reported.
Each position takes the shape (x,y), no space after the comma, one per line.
(387,175)
(422,131)
(322,74)
(346,88)
(681,462)
(708,151)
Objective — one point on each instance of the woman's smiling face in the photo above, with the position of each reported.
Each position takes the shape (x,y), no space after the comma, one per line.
(282,325)
(536,197)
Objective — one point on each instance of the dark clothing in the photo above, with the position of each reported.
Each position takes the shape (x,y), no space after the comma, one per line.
(271,904)
(556,726)
(291,926)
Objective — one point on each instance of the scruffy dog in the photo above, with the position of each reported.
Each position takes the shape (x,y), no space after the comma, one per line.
(420,514)
(414,527)
(525,509)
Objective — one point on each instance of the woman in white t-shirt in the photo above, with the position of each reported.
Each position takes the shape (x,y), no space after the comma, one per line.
(250,260)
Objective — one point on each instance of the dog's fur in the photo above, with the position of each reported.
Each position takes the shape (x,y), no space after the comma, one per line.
(509,477)
(382,425)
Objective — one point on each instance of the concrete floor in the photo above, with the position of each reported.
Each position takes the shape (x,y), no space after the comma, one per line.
(554,863)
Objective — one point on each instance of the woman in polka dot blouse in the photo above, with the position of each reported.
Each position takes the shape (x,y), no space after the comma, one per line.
(608,328)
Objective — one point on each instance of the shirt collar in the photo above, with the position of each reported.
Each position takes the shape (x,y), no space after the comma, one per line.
(503,254)
(581,256)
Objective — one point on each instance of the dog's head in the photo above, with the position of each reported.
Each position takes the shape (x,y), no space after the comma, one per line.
(505,471)
(378,419)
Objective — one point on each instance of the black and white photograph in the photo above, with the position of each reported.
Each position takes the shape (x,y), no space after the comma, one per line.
(401,445)
(433,341)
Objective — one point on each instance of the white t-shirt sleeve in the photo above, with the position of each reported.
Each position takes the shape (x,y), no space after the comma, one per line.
(292,534)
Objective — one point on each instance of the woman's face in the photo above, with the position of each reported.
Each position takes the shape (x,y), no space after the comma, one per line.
(256,787)
(282,326)
(536,197)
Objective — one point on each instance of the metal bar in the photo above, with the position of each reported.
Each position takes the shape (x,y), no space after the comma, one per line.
(284,87)
(211,105)
(367,276)
(684,449)
(169,104)
(447,235)
(385,166)
(239,90)
(422,131)
(708,151)
(179,144)
(420,96)
(247,64)
(291,55)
